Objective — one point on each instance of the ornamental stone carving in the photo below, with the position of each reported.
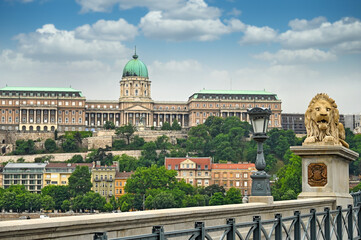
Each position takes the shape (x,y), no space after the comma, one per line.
(317,174)
(322,122)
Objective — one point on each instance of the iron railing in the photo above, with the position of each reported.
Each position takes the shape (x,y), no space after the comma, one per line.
(336,224)
(356,197)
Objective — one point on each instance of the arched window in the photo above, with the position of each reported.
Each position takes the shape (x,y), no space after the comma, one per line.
(126,92)
(136,92)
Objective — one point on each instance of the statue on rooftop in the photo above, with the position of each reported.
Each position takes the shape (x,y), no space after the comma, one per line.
(322,122)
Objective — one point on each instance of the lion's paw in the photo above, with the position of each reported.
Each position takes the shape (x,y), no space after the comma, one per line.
(329,139)
(310,140)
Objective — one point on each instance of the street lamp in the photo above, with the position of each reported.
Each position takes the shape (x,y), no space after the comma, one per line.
(260,180)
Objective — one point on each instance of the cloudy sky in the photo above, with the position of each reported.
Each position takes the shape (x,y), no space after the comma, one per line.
(295,49)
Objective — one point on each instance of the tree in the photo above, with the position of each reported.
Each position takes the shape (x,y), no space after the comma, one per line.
(76,159)
(175,125)
(65,206)
(47,202)
(92,201)
(109,125)
(212,189)
(166,126)
(233,196)
(289,178)
(102,155)
(58,193)
(79,181)
(151,178)
(50,145)
(126,163)
(24,147)
(163,200)
(217,199)
(126,131)
(149,154)
(70,145)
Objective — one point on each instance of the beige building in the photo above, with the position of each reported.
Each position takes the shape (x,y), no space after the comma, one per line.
(59,173)
(103,179)
(236,175)
(194,170)
(66,109)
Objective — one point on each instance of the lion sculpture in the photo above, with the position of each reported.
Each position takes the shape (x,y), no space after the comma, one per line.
(322,122)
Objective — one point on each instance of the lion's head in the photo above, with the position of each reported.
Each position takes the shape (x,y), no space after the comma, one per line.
(322,121)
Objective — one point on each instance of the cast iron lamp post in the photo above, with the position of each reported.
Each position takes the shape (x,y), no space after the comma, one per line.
(260,180)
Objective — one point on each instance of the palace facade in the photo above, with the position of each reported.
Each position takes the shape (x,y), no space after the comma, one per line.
(66,109)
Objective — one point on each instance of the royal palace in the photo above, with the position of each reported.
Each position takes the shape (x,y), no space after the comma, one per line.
(66,109)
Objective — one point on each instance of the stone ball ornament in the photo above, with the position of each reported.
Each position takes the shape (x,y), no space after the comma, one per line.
(322,122)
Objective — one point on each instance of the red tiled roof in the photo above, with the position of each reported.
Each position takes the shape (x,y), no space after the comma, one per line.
(202,161)
(233,165)
(123,175)
(67,165)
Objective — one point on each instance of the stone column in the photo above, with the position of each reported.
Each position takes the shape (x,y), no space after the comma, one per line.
(158,120)
(325,172)
(41,115)
(21,116)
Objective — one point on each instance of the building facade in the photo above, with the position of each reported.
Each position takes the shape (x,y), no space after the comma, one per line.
(59,173)
(28,174)
(120,181)
(103,179)
(194,170)
(66,109)
(237,175)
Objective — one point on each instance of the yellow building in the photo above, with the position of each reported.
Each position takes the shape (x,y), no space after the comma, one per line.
(103,179)
(59,173)
(120,181)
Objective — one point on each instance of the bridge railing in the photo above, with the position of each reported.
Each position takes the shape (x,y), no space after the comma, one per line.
(329,224)
(356,197)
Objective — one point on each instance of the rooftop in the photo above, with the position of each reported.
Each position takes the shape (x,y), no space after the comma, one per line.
(246,92)
(122,175)
(25,165)
(233,165)
(68,165)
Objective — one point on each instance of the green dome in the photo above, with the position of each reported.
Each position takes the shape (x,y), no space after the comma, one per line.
(135,67)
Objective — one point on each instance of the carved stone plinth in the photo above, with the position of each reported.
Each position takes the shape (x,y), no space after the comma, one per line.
(325,172)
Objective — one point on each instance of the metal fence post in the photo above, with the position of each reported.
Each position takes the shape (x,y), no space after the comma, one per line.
(257,230)
(350,221)
(339,223)
(231,235)
(202,232)
(100,236)
(327,224)
(313,224)
(359,219)
(297,226)
(278,229)
(159,230)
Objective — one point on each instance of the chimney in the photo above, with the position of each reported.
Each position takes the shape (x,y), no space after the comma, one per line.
(98,163)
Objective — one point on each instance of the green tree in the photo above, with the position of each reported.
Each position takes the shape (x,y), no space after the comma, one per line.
(92,201)
(212,189)
(126,163)
(151,178)
(126,131)
(149,154)
(103,155)
(50,145)
(23,147)
(289,178)
(33,202)
(176,126)
(163,200)
(76,159)
(108,207)
(166,126)
(217,199)
(58,193)
(66,205)
(70,145)
(47,202)
(109,125)
(79,181)
(233,196)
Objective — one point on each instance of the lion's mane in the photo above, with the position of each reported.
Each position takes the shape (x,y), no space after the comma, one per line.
(333,126)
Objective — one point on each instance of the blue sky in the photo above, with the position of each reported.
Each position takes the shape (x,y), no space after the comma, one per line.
(295,49)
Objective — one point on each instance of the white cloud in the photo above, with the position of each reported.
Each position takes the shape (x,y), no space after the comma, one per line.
(193,9)
(119,30)
(51,44)
(154,25)
(107,5)
(235,12)
(325,35)
(303,24)
(254,35)
(297,56)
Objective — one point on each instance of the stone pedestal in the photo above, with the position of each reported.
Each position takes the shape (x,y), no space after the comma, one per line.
(325,172)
